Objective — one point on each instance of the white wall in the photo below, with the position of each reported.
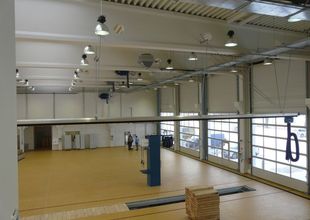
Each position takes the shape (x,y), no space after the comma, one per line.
(189,97)
(222,93)
(8,145)
(280,87)
(167,99)
(84,105)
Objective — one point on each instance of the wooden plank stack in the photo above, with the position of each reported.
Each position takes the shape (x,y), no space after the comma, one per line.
(202,203)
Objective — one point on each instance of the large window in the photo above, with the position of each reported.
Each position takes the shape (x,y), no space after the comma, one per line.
(223,139)
(167,127)
(189,133)
(269,145)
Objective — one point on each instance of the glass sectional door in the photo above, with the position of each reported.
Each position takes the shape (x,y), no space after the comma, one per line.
(223,147)
(189,135)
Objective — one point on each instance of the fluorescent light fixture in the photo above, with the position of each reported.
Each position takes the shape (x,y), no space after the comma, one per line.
(84,61)
(191,80)
(267,62)
(101,28)
(169,67)
(231,41)
(176,84)
(89,50)
(193,57)
(130,83)
(269,8)
(300,16)
(165,87)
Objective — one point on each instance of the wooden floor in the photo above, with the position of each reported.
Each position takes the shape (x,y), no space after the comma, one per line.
(57,181)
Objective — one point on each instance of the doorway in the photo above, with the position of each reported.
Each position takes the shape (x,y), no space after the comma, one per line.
(42,138)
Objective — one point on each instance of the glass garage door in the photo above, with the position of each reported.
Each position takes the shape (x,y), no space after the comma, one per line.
(268,152)
(223,147)
(167,127)
(189,135)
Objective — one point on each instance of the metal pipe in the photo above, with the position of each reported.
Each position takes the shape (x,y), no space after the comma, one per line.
(250,58)
(71,121)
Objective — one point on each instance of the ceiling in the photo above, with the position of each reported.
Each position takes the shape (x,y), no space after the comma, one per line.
(47,56)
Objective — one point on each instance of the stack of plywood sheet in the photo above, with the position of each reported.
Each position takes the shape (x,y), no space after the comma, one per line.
(202,203)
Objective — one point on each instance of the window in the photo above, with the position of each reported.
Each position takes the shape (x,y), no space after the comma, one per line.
(269,145)
(189,133)
(166,127)
(223,139)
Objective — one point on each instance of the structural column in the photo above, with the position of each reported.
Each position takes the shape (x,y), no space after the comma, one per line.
(176,113)
(308,120)
(244,106)
(204,124)
(8,148)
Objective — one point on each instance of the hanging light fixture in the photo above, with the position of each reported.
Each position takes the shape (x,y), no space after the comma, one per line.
(89,50)
(231,42)
(193,57)
(191,80)
(123,85)
(233,69)
(17,74)
(169,67)
(101,28)
(73,83)
(70,89)
(140,77)
(267,62)
(84,61)
(26,82)
(176,83)
(33,88)
(76,75)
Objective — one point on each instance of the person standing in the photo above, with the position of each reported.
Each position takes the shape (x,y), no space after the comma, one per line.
(129,141)
(137,142)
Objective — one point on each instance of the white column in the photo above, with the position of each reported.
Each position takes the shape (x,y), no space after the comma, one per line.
(8,140)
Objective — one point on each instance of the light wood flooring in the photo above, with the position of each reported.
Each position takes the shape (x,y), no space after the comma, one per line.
(57,181)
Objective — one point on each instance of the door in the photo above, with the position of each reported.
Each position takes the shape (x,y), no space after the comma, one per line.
(43,138)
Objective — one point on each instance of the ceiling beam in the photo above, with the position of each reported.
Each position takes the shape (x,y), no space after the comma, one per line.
(26,35)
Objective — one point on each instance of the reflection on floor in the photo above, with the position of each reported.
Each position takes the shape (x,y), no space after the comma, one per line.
(53,181)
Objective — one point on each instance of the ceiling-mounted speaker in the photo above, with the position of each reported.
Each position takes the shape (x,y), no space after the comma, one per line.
(146,60)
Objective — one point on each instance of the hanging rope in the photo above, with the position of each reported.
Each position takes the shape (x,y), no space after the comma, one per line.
(286,83)
(288,153)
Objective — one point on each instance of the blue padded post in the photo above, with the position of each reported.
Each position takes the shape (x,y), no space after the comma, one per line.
(153,161)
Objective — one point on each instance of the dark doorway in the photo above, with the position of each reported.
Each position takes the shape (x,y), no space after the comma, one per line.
(43,138)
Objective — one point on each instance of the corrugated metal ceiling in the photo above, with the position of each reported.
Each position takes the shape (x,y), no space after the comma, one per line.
(230,16)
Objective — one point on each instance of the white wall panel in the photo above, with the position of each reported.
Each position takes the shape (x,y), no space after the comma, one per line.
(222,93)
(8,150)
(40,106)
(90,104)
(21,106)
(68,105)
(189,97)
(167,102)
(114,106)
(280,87)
